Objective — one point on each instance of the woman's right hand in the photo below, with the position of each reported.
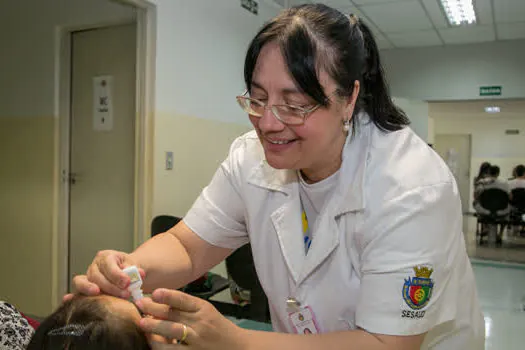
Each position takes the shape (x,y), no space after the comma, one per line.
(105,275)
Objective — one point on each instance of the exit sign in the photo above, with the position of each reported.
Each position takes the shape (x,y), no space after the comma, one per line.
(490,90)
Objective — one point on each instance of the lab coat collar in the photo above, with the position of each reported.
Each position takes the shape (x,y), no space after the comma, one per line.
(350,185)
(264,176)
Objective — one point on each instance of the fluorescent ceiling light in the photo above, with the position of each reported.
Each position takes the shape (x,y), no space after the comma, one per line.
(492,109)
(459,11)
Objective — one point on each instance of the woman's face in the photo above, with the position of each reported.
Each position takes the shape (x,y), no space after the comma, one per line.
(314,147)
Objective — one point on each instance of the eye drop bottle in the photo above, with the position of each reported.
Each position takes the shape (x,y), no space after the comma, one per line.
(135,286)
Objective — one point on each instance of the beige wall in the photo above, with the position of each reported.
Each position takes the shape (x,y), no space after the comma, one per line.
(26,211)
(198,146)
(489,141)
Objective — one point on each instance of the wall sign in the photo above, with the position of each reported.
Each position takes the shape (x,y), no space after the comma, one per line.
(490,90)
(102,103)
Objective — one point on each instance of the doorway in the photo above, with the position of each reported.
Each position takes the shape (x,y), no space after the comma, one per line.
(102,143)
(70,178)
(456,152)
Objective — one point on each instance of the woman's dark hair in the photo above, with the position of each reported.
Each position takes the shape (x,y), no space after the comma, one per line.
(484,170)
(314,37)
(86,324)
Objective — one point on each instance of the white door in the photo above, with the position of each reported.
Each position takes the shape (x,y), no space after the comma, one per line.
(102,154)
(455,151)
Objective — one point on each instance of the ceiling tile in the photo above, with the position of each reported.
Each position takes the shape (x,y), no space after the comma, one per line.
(398,17)
(484,12)
(368,2)
(336,3)
(511,31)
(436,13)
(465,35)
(509,10)
(415,39)
(384,44)
(296,2)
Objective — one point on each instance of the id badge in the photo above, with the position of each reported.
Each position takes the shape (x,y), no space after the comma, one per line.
(303,321)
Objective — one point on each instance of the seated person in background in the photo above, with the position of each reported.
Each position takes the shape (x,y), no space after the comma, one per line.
(519,180)
(492,181)
(15,330)
(483,173)
(103,323)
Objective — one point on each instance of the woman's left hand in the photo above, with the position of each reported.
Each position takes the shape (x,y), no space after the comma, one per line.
(194,321)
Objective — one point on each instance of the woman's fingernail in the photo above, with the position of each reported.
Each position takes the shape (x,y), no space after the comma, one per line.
(139,304)
(93,290)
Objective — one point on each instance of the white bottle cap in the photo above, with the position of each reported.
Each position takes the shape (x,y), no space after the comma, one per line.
(137,294)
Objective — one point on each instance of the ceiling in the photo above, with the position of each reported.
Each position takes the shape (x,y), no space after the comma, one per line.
(476,109)
(419,23)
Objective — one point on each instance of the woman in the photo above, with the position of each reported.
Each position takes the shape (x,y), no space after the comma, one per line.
(101,322)
(354,222)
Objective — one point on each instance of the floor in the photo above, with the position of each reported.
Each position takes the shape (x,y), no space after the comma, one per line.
(512,250)
(501,288)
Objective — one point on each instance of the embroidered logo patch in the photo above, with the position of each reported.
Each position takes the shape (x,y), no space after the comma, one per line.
(417,290)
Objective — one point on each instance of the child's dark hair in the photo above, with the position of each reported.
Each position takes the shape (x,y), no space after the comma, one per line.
(315,36)
(85,323)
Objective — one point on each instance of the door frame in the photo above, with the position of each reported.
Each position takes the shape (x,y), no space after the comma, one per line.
(469,190)
(144,133)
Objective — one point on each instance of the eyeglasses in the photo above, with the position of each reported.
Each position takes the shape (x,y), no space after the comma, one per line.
(287,114)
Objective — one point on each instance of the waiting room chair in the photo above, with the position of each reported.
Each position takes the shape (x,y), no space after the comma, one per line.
(493,200)
(517,209)
(241,269)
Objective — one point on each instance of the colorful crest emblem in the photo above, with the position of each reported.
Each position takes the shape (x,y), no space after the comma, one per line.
(417,291)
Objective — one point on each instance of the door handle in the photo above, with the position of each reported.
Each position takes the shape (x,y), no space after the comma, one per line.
(69,177)
(73,178)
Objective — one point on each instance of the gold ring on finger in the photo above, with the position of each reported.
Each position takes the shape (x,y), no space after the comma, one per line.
(184,333)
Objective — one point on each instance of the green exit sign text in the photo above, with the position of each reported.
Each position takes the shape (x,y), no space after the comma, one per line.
(490,90)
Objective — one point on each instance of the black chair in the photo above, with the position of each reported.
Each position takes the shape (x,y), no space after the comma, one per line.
(163,223)
(493,200)
(205,287)
(241,269)
(517,208)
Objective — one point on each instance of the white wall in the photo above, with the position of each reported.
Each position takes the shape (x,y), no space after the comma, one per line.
(456,72)
(417,112)
(27,62)
(201,46)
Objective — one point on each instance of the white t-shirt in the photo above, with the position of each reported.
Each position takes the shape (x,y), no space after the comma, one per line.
(313,197)
(388,254)
(516,183)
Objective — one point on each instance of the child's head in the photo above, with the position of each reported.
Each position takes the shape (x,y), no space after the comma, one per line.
(102,323)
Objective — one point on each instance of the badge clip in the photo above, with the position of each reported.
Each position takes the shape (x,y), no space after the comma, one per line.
(292,305)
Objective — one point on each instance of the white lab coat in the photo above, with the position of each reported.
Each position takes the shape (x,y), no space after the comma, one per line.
(396,207)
